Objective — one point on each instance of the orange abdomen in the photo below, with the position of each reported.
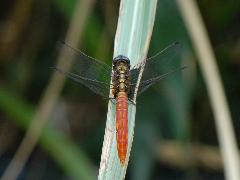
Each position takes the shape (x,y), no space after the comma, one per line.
(122,125)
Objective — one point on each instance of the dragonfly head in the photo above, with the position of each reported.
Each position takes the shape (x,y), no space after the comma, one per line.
(121,59)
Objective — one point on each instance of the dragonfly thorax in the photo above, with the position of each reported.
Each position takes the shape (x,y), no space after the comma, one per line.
(121,68)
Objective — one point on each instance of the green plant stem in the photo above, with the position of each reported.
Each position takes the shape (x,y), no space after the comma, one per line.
(134,30)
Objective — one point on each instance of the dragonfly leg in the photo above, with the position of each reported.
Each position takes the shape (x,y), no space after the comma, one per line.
(112,99)
(132,102)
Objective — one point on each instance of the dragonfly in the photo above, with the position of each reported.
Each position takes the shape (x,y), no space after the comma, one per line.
(119,82)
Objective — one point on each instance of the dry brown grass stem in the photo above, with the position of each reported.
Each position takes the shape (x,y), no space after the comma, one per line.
(208,65)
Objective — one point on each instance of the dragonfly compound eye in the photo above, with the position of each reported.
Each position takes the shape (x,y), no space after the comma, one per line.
(122,58)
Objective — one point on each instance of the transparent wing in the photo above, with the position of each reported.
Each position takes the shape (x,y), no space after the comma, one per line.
(144,85)
(156,67)
(88,71)
(97,87)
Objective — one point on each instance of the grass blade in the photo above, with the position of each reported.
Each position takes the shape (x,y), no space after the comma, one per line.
(134,30)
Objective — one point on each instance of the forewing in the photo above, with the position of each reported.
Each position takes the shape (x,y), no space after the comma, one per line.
(156,67)
(88,71)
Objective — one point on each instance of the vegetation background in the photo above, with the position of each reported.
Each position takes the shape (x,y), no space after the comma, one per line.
(175,135)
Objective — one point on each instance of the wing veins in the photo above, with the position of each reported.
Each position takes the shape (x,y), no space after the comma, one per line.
(77,78)
(144,85)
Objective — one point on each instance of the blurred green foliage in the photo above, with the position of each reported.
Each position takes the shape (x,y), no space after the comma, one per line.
(60,147)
